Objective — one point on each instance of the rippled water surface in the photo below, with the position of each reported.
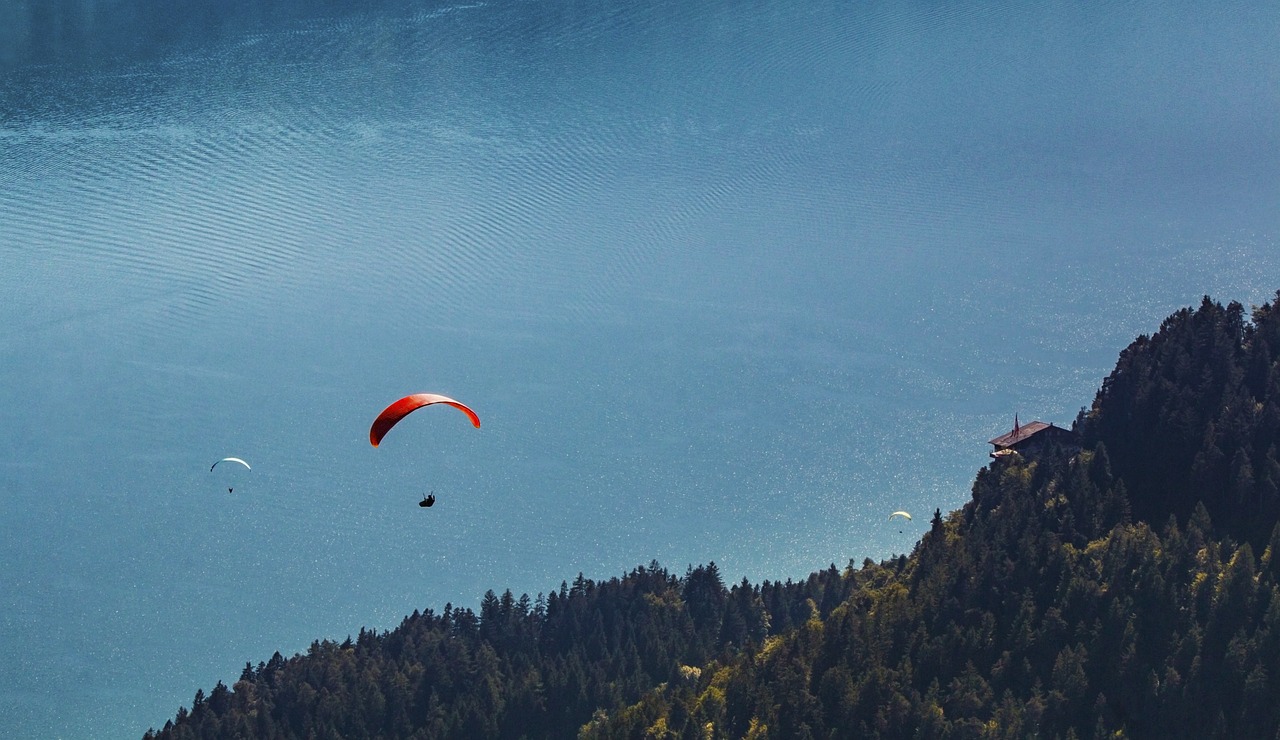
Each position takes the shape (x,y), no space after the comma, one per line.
(725,281)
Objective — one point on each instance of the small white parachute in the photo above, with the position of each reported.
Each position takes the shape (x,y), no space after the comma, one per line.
(229,459)
(230,489)
(902,514)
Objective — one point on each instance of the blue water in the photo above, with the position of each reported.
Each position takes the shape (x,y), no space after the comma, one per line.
(725,281)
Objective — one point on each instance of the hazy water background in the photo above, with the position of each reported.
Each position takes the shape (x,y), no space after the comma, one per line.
(726,281)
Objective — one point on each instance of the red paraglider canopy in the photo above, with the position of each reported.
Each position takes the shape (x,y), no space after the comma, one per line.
(398,410)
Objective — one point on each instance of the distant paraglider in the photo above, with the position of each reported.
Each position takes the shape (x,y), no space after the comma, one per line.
(902,514)
(229,460)
(428,500)
(392,414)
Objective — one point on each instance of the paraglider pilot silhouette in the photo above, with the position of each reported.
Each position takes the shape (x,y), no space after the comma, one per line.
(428,500)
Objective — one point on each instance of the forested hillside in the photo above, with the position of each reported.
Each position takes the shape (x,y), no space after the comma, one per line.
(1192,414)
(1127,590)
(521,667)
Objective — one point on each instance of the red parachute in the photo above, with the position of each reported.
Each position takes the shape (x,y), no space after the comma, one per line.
(402,408)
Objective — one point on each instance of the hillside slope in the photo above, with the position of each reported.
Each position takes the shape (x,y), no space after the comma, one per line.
(1129,589)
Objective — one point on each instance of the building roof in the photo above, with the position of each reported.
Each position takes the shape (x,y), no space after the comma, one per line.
(1020,433)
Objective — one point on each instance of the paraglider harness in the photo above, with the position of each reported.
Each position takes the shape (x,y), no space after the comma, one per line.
(428,500)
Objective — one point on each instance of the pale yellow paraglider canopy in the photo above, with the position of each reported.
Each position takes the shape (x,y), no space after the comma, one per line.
(902,514)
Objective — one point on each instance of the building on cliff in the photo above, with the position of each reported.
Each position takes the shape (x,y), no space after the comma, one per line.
(1031,439)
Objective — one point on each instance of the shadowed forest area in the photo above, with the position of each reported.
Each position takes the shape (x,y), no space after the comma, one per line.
(1129,589)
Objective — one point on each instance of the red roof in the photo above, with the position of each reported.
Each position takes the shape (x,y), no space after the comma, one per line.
(1020,433)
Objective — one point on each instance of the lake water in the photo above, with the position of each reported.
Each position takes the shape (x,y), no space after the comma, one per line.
(725,281)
